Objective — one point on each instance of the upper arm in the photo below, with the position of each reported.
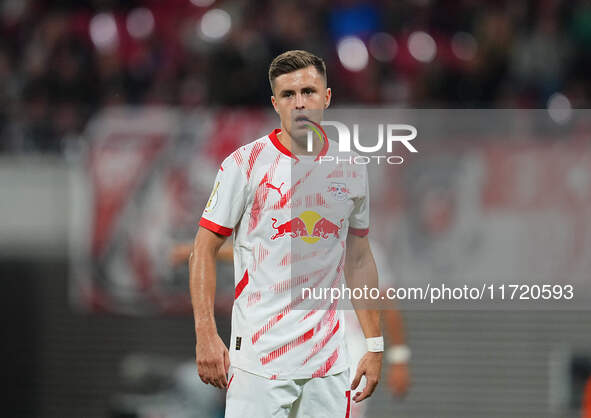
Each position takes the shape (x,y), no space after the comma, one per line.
(227,202)
(208,240)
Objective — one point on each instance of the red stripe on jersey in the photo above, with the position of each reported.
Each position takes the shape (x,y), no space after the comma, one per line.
(292,258)
(330,310)
(273,377)
(287,259)
(260,196)
(322,343)
(336,173)
(254,154)
(290,204)
(315,200)
(287,347)
(241,285)
(287,196)
(254,298)
(257,335)
(275,319)
(309,314)
(263,253)
(360,232)
(212,226)
(322,370)
(287,284)
(320,200)
(221,168)
(237,157)
(230,382)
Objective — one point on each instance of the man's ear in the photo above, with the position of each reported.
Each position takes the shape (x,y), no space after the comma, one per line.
(327,98)
(274,102)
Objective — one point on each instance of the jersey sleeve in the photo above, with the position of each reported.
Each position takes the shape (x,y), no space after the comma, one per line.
(359,218)
(227,201)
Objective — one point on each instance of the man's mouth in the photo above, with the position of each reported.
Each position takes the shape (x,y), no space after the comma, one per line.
(302,119)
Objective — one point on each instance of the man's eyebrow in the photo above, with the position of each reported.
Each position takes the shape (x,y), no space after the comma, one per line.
(312,88)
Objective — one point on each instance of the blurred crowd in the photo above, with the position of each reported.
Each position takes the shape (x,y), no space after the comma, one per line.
(63,60)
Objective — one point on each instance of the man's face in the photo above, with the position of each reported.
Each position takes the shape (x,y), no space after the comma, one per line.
(300,96)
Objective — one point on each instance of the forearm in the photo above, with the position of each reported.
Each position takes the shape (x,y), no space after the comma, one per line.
(370,322)
(202,271)
(359,274)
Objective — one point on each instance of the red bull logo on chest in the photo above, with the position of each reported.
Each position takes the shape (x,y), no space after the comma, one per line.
(309,226)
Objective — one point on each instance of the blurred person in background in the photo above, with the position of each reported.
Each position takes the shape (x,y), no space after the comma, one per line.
(60,62)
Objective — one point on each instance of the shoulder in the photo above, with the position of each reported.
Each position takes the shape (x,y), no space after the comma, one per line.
(243,156)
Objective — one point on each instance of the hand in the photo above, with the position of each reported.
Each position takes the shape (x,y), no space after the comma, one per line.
(213,360)
(370,365)
(398,379)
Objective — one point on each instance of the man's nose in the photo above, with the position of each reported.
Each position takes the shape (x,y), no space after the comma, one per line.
(299,102)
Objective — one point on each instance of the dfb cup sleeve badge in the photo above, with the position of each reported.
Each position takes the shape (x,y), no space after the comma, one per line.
(338,191)
(213,199)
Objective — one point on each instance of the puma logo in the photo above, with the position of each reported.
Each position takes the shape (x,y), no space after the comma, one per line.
(270,186)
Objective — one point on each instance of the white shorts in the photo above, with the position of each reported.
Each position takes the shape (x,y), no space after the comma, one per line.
(250,395)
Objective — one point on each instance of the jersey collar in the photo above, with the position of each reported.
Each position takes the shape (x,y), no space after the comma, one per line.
(284,150)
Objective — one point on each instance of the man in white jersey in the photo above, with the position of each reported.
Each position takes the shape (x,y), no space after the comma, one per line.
(288,357)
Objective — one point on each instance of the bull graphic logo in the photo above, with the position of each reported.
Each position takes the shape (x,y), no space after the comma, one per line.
(339,191)
(309,226)
(324,228)
(294,227)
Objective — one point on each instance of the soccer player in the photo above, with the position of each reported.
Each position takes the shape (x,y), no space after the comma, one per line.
(286,361)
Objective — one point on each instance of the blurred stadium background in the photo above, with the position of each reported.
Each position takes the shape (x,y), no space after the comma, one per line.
(114,116)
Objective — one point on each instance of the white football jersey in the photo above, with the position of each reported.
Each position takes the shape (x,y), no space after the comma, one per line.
(289,216)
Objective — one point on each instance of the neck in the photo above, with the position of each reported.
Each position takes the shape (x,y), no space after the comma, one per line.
(297,148)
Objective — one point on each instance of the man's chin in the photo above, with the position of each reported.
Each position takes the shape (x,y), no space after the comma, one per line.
(299,132)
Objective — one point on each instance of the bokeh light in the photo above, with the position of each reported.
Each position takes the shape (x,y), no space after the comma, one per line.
(464,46)
(215,24)
(383,47)
(140,23)
(422,46)
(202,3)
(352,53)
(103,32)
(560,108)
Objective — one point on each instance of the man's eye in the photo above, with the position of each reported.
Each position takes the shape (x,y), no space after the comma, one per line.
(308,92)
(287,94)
